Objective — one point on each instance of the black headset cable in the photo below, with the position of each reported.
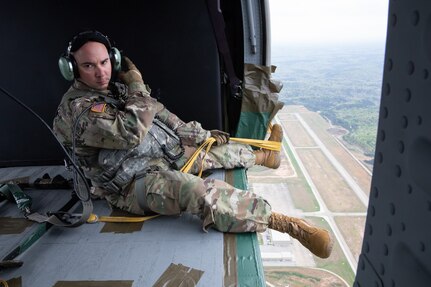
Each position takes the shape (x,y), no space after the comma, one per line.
(72,160)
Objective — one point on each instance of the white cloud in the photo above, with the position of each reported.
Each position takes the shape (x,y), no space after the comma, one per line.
(328,21)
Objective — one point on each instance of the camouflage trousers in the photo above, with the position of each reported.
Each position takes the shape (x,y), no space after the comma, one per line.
(218,204)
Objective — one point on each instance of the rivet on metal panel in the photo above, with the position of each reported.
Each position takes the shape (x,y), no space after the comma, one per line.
(404,122)
(382,135)
(393,20)
(414,18)
(410,68)
(375,192)
(407,95)
(379,157)
(385,250)
(409,189)
(419,120)
(392,209)
(382,269)
(425,74)
(385,112)
(388,230)
(421,246)
(362,264)
(387,89)
(370,229)
(403,226)
(390,65)
(398,171)
(401,147)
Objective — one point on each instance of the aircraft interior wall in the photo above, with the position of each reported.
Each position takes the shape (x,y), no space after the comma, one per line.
(396,250)
(171,42)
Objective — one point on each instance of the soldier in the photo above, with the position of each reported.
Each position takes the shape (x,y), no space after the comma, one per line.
(131,148)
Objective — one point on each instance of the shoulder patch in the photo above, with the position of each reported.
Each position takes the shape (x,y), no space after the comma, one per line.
(99,108)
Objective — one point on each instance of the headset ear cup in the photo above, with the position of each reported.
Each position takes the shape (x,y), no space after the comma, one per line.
(66,67)
(115,57)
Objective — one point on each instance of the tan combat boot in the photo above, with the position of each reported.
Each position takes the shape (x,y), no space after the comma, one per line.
(317,240)
(270,158)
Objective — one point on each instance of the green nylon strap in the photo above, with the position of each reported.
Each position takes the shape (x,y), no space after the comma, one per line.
(15,193)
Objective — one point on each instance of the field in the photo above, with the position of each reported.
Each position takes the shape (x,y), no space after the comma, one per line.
(332,187)
(301,277)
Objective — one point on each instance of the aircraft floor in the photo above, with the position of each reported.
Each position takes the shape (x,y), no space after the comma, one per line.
(87,253)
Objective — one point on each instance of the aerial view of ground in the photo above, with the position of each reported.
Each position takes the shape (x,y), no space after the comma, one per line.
(319,180)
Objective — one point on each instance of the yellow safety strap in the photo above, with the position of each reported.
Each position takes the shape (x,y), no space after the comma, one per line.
(271,145)
(208,143)
(94,218)
(270,128)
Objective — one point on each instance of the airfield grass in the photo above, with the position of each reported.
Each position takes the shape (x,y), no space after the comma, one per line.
(352,228)
(301,277)
(331,136)
(332,187)
(337,262)
(299,189)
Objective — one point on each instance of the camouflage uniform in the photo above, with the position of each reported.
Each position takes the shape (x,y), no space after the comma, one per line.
(131,148)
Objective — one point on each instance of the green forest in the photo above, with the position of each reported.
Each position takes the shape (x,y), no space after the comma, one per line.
(342,83)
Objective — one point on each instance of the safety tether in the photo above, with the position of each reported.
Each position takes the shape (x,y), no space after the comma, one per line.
(265,144)
(95,218)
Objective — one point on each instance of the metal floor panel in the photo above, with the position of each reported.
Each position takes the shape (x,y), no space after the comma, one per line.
(84,253)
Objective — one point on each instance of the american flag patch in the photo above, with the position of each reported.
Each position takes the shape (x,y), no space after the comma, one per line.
(99,108)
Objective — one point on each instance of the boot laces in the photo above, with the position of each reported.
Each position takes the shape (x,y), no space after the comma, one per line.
(298,232)
(291,227)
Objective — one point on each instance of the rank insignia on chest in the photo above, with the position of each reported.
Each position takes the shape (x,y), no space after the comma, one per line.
(99,108)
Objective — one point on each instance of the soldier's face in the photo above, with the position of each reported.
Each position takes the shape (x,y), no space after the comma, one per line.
(94,65)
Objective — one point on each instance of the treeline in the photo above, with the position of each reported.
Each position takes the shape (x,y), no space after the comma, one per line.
(343,83)
(358,117)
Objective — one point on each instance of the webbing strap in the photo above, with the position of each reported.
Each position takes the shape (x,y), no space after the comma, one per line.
(207,144)
(265,144)
(87,208)
(218,23)
(94,218)
(67,219)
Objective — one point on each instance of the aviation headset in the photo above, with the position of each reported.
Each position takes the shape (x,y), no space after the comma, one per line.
(67,63)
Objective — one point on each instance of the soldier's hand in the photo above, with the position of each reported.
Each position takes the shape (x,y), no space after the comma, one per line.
(220,136)
(132,74)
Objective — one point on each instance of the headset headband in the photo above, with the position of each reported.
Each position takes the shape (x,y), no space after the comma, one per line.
(79,40)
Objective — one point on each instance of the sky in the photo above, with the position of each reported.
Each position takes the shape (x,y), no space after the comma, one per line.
(328,21)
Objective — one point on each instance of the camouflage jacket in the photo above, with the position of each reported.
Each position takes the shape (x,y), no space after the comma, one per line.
(115,134)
